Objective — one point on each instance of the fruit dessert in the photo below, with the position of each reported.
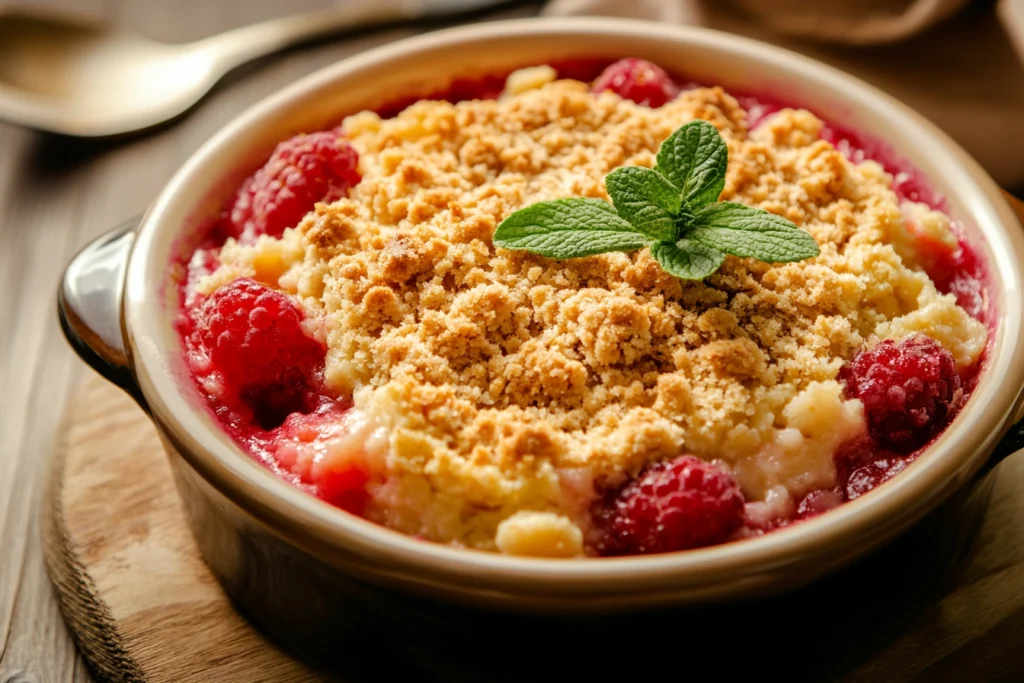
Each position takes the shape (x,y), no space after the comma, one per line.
(584,316)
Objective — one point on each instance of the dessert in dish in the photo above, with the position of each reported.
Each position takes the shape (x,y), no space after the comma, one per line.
(355,324)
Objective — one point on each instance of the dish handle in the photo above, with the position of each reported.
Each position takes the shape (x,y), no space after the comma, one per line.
(89,306)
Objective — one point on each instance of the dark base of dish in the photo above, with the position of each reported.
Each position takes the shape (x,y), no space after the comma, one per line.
(360,632)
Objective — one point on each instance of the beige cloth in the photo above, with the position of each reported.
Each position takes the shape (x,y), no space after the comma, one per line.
(852,21)
(964,74)
(842,21)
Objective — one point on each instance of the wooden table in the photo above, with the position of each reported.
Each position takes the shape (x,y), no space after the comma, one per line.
(56,194)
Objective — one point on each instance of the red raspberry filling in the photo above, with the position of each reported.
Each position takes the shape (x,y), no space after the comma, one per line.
(338,476)
(254,339)
(674,505)
(818,502)
(263,374)
(637,80)
(871,475)
(908,389)
(344,487)
(302,171)
(958,271)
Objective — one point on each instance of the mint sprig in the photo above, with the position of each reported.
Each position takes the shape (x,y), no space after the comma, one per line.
(672,208)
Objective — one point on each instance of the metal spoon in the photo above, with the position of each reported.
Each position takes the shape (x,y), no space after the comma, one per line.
(87,80)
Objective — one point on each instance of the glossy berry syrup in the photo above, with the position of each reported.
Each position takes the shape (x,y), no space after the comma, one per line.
(259,363)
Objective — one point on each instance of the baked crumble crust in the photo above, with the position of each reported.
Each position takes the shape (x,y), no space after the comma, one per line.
(512,384)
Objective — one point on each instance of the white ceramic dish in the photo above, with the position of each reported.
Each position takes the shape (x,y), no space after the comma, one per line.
(255,530)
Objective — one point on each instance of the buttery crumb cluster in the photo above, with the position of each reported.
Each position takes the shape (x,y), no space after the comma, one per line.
(501,394)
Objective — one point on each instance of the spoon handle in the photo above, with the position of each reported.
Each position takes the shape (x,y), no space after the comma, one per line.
(236,47)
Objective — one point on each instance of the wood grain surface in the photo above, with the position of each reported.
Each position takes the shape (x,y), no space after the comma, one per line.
(132,585)
(57,193)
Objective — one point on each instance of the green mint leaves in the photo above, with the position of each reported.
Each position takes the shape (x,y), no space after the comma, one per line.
(569,228)
(694,159)
(687,260)
(646,199)
(672,208)
(744,231)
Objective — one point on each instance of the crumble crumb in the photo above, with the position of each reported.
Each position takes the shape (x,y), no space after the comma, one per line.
(539,534)
(531,77)
(513,386)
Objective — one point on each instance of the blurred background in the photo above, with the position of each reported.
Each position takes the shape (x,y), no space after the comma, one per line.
(958,62)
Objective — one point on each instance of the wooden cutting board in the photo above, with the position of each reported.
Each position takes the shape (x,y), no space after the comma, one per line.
(138,598)
(143,606)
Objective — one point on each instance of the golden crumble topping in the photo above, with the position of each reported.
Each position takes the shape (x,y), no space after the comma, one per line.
(512,387)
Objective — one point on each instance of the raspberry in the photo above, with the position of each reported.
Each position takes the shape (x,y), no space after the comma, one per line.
(674,505)
(254,339)
(637,80)
(302,171)
(908,389)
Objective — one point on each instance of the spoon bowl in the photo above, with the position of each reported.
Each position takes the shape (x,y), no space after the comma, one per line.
(70,76)
(89,80)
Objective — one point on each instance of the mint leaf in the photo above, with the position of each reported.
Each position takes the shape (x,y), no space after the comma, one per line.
(568,228)
(646,199)
(694,158)
(744,231)
(687,260)
(652,206)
